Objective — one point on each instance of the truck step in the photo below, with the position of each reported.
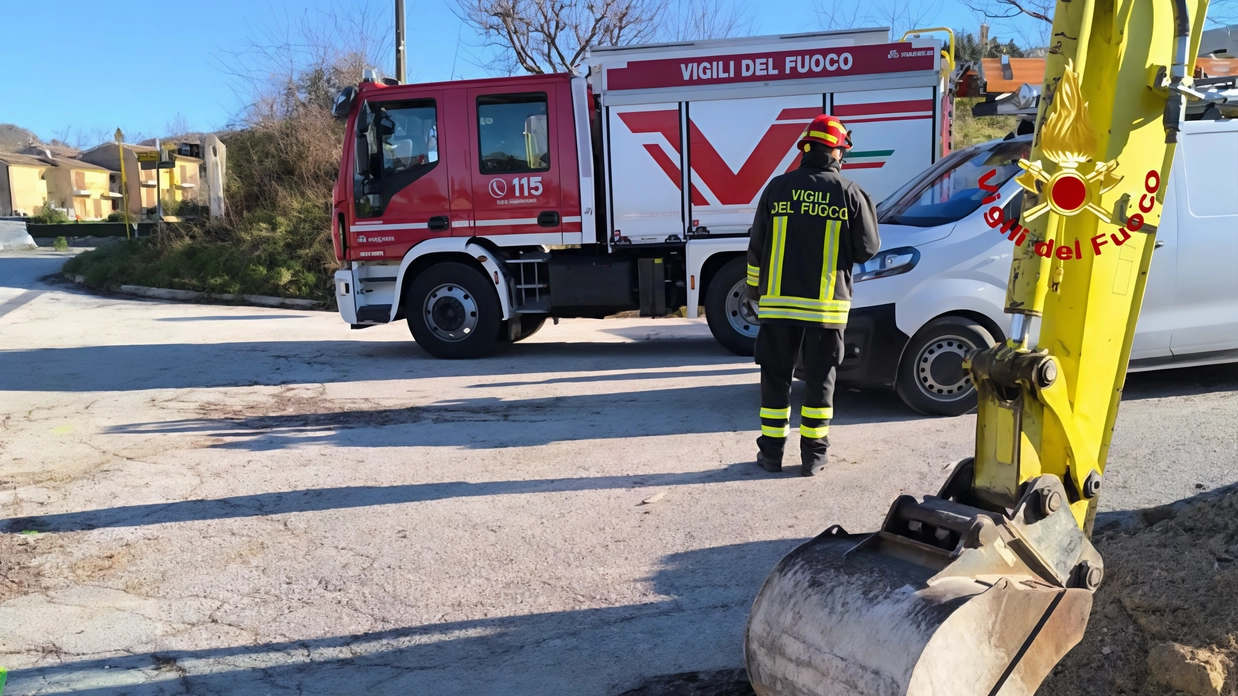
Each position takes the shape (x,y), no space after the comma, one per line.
(376,313)
(378,279)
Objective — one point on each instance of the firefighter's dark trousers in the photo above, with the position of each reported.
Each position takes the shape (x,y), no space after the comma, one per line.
(776,350)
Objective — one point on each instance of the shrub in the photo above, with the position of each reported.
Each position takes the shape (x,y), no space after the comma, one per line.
(47,214)
(116,216)
(61,244)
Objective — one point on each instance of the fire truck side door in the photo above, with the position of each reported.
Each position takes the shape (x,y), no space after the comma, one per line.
(400,183)
(517,199)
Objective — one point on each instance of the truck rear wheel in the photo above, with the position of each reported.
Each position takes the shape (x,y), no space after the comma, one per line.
(729,319)
(931,379)
(453,311)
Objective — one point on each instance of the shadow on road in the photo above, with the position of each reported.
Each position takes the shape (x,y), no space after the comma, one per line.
(276,363)
(1183,381)
(699,625)
(495,423)
(235,317)
(320,499)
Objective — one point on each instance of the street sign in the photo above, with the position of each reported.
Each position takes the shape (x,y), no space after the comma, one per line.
(148,156)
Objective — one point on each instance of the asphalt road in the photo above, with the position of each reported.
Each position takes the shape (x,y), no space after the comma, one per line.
(234,500)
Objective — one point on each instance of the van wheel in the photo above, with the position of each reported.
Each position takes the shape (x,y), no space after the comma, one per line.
(529,325)
(453,311)
(729,319)
(931,379)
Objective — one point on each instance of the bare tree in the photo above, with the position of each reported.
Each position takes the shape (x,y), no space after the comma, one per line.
(73,139)
(1030,20)
(694,20)
(300,61)
(177,127)
(899,15)
(547,36)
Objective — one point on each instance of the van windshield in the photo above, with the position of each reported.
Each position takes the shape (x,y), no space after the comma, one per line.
(950,190)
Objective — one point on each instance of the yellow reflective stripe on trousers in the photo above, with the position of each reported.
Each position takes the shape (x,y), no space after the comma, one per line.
(754,275)
(769,431)
(803,315)
(806,303)
(822,413)
(776,413)
(829,264)
(814,433)
(775,258)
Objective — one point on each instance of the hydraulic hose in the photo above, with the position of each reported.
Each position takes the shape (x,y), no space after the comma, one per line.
(1177,72)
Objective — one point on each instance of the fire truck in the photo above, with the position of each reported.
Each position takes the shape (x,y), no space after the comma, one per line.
(476,210)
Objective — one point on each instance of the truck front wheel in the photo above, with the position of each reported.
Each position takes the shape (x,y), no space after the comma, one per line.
(729,319)
(453,311)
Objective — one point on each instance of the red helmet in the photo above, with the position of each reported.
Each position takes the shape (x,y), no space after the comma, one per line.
(827,130)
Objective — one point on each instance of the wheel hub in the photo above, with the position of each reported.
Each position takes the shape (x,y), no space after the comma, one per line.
(451,312)
(737,312)
(939,368)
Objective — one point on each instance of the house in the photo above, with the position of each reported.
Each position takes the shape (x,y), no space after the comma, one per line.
(92,191)
(1005,74)
(23,190)
(147,186)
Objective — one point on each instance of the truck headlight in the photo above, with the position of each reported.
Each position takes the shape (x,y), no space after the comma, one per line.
(886,263)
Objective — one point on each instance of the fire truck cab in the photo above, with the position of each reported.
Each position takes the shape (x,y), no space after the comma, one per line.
(477,209)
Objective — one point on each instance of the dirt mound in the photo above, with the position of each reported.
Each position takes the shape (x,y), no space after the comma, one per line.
(1170,591)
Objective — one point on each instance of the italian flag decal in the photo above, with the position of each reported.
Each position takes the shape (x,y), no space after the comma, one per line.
(866,159)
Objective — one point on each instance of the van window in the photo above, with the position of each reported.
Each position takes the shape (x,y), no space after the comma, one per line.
(1211,178)
(512,133)
(950,190)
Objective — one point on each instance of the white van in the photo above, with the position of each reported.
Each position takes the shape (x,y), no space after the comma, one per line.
(937,290)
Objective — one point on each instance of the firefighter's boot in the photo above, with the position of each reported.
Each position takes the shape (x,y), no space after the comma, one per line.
(770,454)
(814,454)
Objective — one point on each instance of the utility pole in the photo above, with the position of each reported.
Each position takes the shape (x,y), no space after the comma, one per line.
(124,185)
(158,184)
(399,41)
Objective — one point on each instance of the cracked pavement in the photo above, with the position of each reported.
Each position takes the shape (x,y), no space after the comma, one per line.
(209,499)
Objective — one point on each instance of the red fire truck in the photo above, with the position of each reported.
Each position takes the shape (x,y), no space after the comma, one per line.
(475,210)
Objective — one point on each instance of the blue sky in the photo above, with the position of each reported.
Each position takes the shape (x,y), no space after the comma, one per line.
(94,66)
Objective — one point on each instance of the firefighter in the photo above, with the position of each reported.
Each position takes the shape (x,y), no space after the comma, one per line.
(811,226)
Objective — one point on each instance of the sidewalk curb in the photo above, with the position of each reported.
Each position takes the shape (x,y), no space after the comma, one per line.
(200,297)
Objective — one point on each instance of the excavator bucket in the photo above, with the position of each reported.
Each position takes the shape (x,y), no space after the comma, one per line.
(946,599)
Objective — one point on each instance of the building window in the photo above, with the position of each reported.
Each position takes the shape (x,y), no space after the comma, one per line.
(512,133)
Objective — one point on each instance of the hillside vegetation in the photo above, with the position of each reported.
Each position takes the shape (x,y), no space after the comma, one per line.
(275,239)
(969,130)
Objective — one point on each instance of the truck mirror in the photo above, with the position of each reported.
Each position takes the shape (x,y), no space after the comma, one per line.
(343,103)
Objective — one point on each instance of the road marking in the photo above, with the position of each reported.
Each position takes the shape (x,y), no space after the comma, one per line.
(19,301)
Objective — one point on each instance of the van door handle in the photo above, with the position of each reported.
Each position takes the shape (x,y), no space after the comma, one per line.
(438,223)
(550,218)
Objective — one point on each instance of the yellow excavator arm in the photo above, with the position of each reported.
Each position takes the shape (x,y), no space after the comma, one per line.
(984,587)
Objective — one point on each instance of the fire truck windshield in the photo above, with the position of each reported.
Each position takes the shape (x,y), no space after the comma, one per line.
(950,190)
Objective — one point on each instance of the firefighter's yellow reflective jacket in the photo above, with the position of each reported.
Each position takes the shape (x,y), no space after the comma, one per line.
(811,226)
